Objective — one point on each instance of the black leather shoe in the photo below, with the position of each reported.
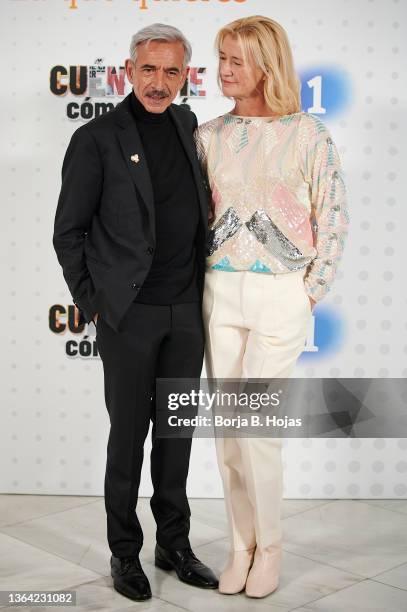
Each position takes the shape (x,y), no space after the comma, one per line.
(189,569)
(129,579)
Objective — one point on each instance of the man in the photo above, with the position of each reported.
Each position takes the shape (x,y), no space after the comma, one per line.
(129,233)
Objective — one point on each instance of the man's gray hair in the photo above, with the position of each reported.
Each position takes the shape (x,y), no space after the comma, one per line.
(160,32)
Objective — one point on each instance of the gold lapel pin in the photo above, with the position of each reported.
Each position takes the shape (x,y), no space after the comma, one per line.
(135,158)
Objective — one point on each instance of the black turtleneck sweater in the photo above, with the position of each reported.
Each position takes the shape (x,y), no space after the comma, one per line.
(172,278)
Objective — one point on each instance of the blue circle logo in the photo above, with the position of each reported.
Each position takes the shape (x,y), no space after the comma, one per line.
(325,91)
(326,333)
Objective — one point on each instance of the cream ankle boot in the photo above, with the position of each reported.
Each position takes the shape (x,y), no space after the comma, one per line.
(264,575)
(233,578)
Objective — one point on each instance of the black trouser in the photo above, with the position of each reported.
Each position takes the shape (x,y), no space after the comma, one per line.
(154,342)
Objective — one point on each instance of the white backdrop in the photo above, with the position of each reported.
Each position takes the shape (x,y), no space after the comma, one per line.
(54,421)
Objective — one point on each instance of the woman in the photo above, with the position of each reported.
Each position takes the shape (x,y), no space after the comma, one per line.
(276,235)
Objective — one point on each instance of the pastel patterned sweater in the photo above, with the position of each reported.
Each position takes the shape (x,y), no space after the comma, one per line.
(278,196)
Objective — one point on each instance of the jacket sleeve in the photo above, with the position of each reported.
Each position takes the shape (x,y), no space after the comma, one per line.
(194,122)
(322,169)
(82,177)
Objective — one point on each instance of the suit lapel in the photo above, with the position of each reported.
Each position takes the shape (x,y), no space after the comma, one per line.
(132,147)
(188,144)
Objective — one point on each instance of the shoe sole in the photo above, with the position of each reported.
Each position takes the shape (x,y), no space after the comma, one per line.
(164,565)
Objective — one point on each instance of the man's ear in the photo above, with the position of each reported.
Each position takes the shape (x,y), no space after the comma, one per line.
(129,67)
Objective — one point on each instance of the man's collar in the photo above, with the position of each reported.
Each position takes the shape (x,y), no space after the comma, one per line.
(142,114)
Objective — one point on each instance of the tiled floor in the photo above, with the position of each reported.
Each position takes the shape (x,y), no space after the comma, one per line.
(348,556)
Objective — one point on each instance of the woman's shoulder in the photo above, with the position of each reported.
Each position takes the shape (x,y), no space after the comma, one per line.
(312,125)
(204,132)
(210,126)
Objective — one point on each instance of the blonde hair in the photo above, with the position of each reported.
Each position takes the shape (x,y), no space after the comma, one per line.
(266,43)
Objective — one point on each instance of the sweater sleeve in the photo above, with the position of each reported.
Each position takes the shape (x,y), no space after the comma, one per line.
(201,145)
(329,213)
(201,138)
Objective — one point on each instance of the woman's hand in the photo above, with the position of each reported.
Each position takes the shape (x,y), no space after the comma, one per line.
(95,318)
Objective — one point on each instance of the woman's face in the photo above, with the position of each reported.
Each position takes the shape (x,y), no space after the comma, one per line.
(239,78)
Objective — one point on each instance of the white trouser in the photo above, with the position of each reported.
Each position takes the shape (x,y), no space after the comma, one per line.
(256,326)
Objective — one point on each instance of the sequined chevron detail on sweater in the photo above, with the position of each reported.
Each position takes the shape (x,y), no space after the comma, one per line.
(275,242)
(278,196)
(224,228)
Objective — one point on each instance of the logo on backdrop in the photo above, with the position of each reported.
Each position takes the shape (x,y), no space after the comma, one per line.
(100,85)
(325,91)
(64,321)
(325,333)
(94,81)
(193,86)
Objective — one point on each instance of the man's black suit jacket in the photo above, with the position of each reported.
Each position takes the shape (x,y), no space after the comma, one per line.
(104,230)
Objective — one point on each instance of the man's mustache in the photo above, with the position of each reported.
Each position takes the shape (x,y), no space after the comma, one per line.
(157,93)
